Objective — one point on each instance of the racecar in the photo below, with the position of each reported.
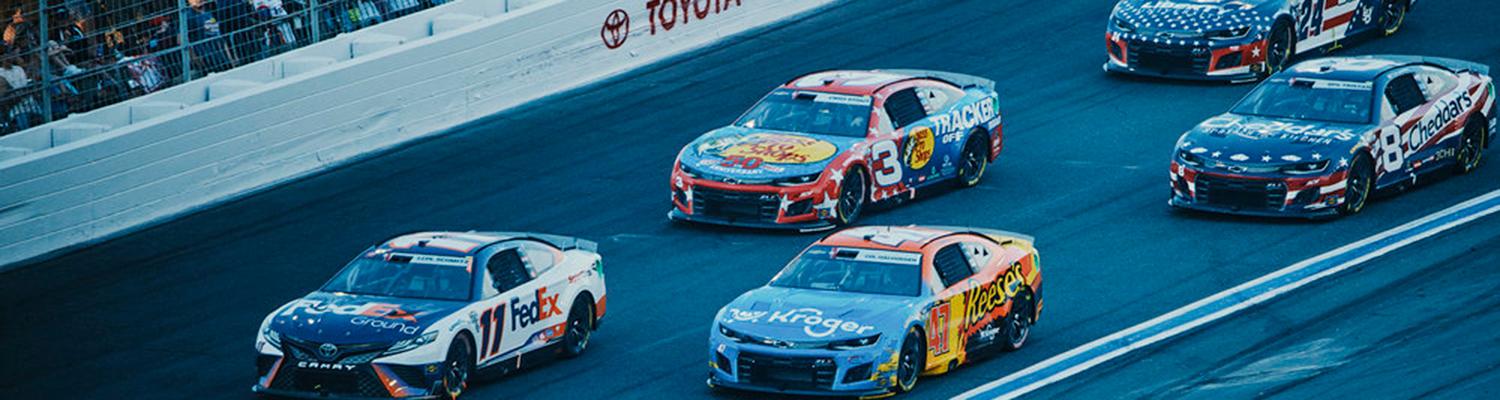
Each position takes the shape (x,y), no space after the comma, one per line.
(1318,139)
(814,152)
(416,316)
(1236,40)
(866,310)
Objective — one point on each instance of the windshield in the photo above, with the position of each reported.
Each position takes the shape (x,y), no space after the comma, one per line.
(1310,99)
(854,271)
(435,278)
(810,112)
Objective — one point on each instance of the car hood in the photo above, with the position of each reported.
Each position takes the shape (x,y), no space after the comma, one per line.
(1250,140)
(349,319)
(1197,17)
(783,154)
(816,315)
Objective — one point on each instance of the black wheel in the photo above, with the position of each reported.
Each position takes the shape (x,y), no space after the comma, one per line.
(1358,184)
(852,195)
(972,162)
(913,360)
(1018,322)
(580,328)
(1471,149)
(1395,14)
(1279,48)
(459,366)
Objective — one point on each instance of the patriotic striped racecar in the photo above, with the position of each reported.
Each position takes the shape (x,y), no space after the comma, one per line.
(1236,40)
(812,153)
(416,316)
(865,311)
(1319,138)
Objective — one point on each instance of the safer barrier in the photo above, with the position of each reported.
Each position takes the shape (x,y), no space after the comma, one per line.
(149,159)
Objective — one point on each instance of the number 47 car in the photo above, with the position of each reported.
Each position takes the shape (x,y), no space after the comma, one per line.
(1318,139)
(865,311)
(415,316)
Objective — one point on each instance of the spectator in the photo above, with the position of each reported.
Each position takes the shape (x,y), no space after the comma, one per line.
(210,52)
(278,33)
(239,18)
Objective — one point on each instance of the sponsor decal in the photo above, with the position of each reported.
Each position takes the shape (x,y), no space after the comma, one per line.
(953,124)
(770,148)
(410,329)
(919,148)
(325,366)
(1395,146)
(1168,5)
(380,310)
(879,256)
(538,309)
(981,302)
(616,29)
(937,323)
(737,315)
(815,324)
(669,13)
(1302,133)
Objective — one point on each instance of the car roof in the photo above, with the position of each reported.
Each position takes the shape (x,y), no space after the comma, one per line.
(850,82)
(897,238)
(1360,68)
(450,244)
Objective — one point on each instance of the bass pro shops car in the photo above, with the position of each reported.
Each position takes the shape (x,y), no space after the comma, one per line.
(415,316)
(815,151)
(865,311)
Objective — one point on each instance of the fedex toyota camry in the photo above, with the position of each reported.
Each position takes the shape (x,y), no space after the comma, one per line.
(1236,39)
(1318,139)
(815,151)
(865,311)
(415,316)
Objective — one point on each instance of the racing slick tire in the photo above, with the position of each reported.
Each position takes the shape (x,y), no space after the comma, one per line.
(1280,47)
(1471,146)
(911,362)
(852,194)
(1359,183)
(972,161)
(1395,15)
(1018,321)
(580,328)
(458,367)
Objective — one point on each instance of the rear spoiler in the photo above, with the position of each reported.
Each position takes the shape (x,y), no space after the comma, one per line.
(983,232)
(957,79)
(564,243)
(1458,65)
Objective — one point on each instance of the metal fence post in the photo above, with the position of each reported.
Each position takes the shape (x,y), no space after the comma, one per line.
(43,50)
(182,41)
(315,17)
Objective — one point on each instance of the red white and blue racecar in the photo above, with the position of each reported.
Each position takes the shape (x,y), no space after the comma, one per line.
(814,152)
(1236,40)
(1319,138)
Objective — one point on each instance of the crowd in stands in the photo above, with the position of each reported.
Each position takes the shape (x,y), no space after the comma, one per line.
(60,57)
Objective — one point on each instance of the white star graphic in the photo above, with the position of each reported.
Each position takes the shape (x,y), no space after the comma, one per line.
(1255,52)
(837,177)
(1265,158)
(1343,162)
(1317,156)
(785,201)
(1218,153)
(689,193)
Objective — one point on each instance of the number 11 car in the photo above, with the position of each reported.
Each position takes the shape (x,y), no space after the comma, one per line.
(865,311)
(815,151)
(415,316)
(1318,139)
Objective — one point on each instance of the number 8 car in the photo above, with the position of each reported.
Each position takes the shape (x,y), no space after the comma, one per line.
(811,154)
(865,311)
(1319,139)
(415,316)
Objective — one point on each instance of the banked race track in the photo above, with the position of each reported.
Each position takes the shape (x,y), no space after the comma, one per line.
(171,311)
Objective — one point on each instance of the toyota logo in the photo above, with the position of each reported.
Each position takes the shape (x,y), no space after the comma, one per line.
(616,29)
(328,350)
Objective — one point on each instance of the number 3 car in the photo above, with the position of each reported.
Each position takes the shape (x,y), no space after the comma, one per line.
(815,151)
(1318,139)
(865,311)
(1236,40)
(415,316)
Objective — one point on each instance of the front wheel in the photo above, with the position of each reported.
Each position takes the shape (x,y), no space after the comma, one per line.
(458,366)
(911,362)
(1279,49)
(972,162)
(1358,184)
(1395,14)
(1471,149)
(580,328)
(852,195)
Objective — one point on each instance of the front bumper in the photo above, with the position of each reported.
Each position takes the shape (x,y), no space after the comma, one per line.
(1187,60)
(284,376)
(754,367)
(804,208)
(1263,196)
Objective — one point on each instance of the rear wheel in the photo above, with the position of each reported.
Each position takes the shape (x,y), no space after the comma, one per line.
(911,361)
(1471,149)
(1018,322)
(972,162)
(1279,48)
(852,195)
(1395,14)
(458,367)
(580,328)
(1358,184)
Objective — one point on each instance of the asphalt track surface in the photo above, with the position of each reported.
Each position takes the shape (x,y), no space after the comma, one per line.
(171,311)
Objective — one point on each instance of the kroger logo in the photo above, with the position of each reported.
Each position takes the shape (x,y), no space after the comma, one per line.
(816,325)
